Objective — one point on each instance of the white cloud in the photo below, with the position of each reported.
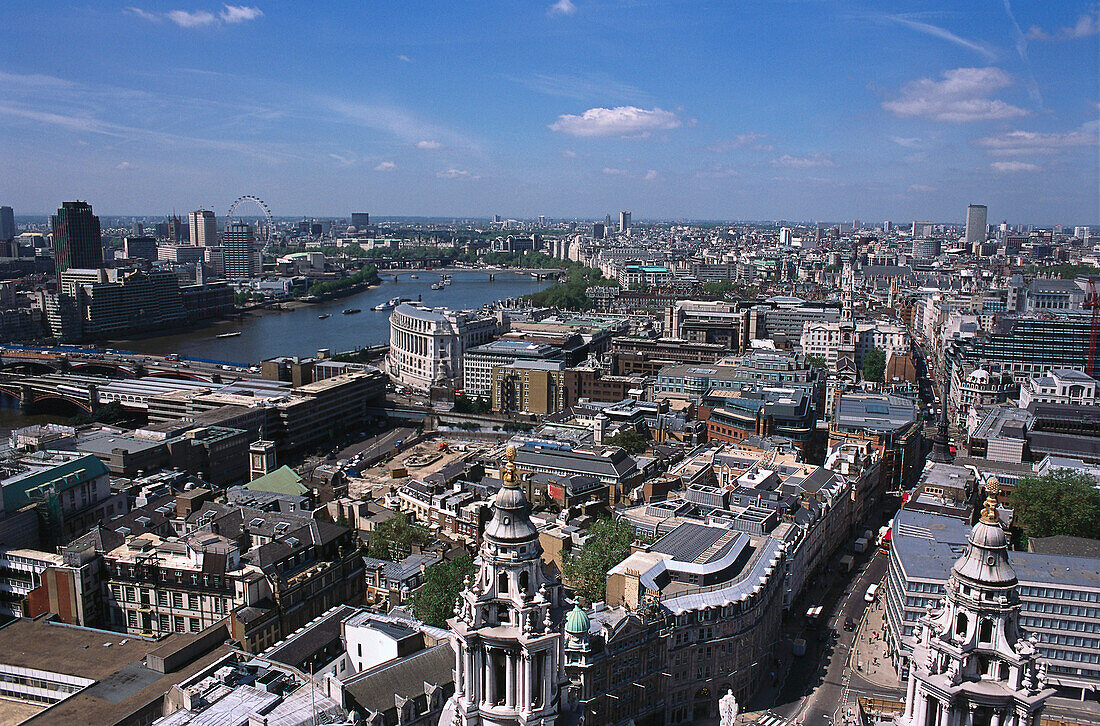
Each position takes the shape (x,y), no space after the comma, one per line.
(599,86)
(740,141)
(144,14)
(195,19)
(228,15)
(651,175)
(342,160)
(239,13)
(1008,167)
(455,174)
(963,95)
(718,172)
(942,33)
(562,7)
(611,171)
(921,188)
(1086,25)
(623,121)
(385,166)
(426,144)
(908,142)
(1014,143)
(123,165)
(808,161)
(404,58)
(568,154)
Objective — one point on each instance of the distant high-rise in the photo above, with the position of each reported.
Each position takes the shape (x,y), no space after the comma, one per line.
(1081,233)
(542,220)
(175,228)
(886,226)
(204,228)
(137,229)
(238,251)
(496,219)
(624,221)
(786,237)
(360,220)
(607,222)
(975,224)
(7,224)
(77,241)
(599,231)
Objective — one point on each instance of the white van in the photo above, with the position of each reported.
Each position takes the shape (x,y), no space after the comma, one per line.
(872,591)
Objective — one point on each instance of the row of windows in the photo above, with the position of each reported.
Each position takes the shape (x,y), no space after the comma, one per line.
(1052,593)
(1070,655)
(1080,611)
(1074,640)
(1081,626)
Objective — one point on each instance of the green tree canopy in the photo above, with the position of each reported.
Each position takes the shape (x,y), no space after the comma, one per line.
(633,441)
(874,365)
(434,602)
(393,539)
(1062,502)
(607,545)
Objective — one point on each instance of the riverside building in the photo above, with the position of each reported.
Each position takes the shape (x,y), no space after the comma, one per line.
(427,345)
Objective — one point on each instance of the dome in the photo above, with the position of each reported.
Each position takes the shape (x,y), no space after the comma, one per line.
(986,558)
(979,375)
(351,229)
(576,622)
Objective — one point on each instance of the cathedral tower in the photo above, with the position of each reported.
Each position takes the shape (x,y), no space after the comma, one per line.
(509,668)
(970,666)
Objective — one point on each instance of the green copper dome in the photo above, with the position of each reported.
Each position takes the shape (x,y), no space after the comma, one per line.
(576,622)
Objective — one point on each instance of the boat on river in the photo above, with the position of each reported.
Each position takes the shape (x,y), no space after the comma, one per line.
(350,311)
(326,315)
(233,334)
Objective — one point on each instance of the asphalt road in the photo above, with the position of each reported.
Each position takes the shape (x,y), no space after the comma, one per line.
(817,683)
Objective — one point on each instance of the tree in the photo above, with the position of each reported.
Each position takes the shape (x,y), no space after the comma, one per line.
(817,361)
(1063,502)
(393,539)
(632,440)
(607,545)
(874,365)
(434,602)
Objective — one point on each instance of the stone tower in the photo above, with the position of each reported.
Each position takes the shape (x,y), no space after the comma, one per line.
(509,666)
(970,666)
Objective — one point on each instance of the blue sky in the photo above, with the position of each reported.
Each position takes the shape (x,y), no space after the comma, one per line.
(570,108)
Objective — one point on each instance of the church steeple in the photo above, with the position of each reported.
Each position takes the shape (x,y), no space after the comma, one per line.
(509,667)
(970,666)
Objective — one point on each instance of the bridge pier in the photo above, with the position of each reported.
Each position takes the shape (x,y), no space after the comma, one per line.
(492,277)
(26,399)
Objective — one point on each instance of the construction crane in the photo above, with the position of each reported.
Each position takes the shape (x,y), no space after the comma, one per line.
(1092,300)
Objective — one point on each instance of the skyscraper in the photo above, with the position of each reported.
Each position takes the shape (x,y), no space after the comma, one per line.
(137,229)
(7,224)
(238,251)
(77,242)
(204,228)
(975,224)
(360,220)
(624,221)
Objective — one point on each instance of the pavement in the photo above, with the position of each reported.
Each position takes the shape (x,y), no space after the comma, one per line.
(870,659)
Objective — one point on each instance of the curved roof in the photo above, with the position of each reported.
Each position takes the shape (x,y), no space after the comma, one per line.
(576,621)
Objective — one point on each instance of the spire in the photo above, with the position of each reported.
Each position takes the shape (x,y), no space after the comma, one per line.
(941,443)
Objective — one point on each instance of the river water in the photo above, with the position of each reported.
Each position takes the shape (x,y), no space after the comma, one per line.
(265,334)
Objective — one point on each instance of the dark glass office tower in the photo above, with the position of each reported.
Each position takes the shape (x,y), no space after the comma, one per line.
(77,243)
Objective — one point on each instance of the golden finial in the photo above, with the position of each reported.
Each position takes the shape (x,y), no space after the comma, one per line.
(989,511)
(508,474)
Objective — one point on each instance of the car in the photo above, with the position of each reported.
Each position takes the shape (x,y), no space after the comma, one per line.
(872,591)
(849,625)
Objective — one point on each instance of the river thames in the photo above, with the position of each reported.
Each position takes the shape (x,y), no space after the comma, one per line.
(299,332)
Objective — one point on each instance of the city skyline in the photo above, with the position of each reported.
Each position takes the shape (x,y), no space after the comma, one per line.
(770,110)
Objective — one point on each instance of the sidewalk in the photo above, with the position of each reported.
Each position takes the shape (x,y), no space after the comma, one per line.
(870,661)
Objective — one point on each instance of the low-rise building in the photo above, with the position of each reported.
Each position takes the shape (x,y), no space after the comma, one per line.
(1063,385)
(530,386)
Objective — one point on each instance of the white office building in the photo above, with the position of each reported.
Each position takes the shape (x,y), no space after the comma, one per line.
(427,344)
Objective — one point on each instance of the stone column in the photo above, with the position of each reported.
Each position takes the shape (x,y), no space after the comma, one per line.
(920,716)
(460,668)
(524,700)
(510,679)
(910,692)
(971,709)
(487,674)
(998,716)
